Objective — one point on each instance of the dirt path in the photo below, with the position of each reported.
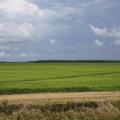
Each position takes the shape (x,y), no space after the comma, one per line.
(61,96)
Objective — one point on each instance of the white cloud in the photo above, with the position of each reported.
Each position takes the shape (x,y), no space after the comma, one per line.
(113,33)
(3,54)
(22,55)
(13,32)
(53,41)
(22,20)
(23,7)
(98,43)
(17,24)
(99,31)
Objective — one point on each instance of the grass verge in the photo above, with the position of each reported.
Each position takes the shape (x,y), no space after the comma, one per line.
(105,110)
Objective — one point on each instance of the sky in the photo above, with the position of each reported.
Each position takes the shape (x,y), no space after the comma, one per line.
(59,30)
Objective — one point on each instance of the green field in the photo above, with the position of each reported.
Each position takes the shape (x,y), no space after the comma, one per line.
(58,77)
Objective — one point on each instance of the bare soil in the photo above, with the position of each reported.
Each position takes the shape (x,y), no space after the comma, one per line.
(61,96)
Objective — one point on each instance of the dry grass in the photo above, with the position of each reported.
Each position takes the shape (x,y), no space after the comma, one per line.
(107,110)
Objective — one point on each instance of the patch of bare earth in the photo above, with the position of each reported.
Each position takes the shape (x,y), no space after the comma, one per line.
(28,98)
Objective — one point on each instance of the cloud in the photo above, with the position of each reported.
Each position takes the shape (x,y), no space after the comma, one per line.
(98,43)
(22,7)
(3,54)
(117,42)
(13,32)
(26,20)
(31,54)
(53,41)
(23,20)
(113,33)
(99,31)
(24,55)
(5,48)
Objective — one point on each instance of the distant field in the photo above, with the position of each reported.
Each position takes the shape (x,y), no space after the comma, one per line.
(58,77)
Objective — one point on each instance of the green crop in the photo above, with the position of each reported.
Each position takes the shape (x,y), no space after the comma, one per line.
(58,77)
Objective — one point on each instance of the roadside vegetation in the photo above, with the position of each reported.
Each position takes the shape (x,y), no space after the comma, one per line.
(107,110)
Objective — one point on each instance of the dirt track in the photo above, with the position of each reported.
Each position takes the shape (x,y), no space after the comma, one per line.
(61,96)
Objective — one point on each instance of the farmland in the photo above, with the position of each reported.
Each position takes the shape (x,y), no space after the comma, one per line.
(58,77)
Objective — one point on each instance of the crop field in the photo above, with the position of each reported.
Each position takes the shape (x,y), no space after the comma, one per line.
(58,77)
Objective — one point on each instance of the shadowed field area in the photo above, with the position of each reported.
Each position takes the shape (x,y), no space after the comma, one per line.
(58,77)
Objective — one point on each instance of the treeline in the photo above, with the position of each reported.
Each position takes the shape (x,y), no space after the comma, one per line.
(67,61)
(76,61)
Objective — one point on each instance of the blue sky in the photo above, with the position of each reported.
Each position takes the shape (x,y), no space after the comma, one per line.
(59,29)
